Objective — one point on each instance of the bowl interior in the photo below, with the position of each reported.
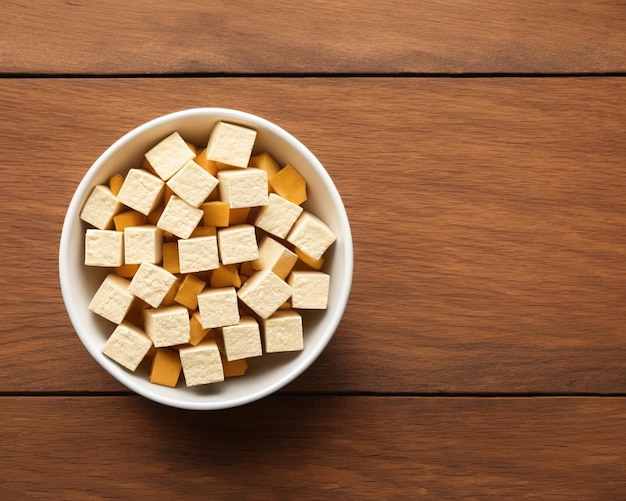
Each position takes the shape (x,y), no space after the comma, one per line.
(266,374)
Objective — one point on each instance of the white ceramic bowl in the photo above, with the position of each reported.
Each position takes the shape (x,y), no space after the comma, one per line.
(266,374)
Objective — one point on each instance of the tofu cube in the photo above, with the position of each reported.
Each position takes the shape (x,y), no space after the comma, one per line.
(168,156)
(198,254)
(289,184)
(237,244)
(187,294)
(242,340)
(264,292)
(166,367)
(167,326)
(202,364)
(112,300)
(278,216)
(243,188)
(216,214)
(104,248)
(100,207)
(179,218)
(231,144)
(143,244)
(218,307)
(141,191)
(310,289)
(311,235)
(151,283)
(192,183)
(274,256)
(283,332)
(127,345)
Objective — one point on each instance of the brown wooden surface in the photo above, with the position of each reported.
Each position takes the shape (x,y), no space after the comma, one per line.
(315,448)
(245,36)
(490,247)
(487,215)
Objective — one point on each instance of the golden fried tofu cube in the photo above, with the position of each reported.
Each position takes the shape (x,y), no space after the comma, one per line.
(166,367)
(188,291)
(289,184)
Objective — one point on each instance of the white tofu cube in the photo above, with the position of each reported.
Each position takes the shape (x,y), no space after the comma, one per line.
(242,340)
(104,248)
(283,332)
(198,254)
(278,216)
(167,326)
(100,207)
(192,183)
(243,188)
(274,256)
(143,244)
(141,191)
(218,307)
(311,235)
(310,289)
(264,292)
(237,244)
(168,156)
(151,283)
(179,217)
(127,345)
(202,364)
(112,300)
(231,144)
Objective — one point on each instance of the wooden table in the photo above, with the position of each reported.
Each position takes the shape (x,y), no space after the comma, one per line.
(480,149)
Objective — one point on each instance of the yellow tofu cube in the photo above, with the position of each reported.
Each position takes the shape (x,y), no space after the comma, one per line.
(188,291)
(208,165)
(216,214)
(166,367)
(170,257)
(289,184)
(128,218)
(238,216)
(225,275)
(234,368)
(115,183)
(197,332)
(265,162)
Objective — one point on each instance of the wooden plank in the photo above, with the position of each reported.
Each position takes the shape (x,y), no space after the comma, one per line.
(487,215)
(435,36)
(315,448)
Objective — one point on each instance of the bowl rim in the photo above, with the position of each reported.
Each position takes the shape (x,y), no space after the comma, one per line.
(72,212)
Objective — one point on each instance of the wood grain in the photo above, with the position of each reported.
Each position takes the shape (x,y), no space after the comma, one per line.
(352,36)
(487,215)
(315,448)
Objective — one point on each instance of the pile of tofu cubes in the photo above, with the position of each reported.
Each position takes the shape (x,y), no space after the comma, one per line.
(211,257)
